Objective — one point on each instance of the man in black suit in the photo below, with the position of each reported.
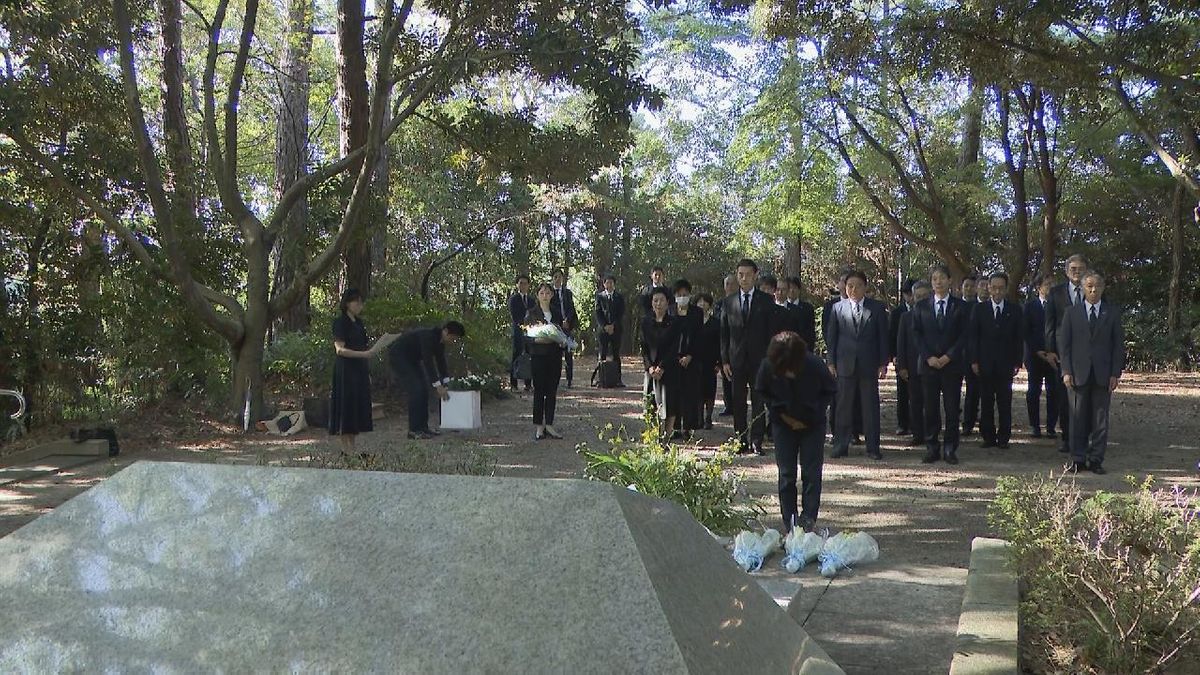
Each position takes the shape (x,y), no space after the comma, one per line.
(858,357)
(1037,365)
(565,301)
(970,410)
(658,282)
(940,325)
(746,329)
(731,287)
(804,313)
(826,318)
(418,360)
(519,304)
(1091,343)
(610,317)
(908,365)
(784,319)
(903,421)
(995,345)
(1063,297)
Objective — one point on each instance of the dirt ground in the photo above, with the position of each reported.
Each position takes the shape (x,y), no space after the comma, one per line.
(901,611)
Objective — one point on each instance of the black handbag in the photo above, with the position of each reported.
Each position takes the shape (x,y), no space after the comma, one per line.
(523,367)
(607,375)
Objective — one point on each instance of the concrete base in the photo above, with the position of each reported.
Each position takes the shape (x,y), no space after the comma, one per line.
(987,641)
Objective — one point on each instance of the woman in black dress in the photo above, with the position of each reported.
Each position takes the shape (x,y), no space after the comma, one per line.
(545,360)
(688,320)
(659,356)
(350,400)
(797,388)
(708,353)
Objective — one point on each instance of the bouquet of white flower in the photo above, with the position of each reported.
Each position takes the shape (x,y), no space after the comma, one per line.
(750,549)
(549,331)
(802,548)
(845,549)
(473,382)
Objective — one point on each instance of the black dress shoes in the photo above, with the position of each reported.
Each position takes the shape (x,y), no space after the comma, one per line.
(876,455)
(987,444)
(1003,445)
(1036,433)
(931,455)
(1097,468)
(950,454)
(839,453)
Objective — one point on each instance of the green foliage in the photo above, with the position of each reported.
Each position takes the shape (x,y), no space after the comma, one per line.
(405,458)
(301,362)
(705,487)
(1112,580)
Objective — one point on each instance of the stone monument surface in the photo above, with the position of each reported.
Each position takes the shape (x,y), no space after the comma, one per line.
(181,567)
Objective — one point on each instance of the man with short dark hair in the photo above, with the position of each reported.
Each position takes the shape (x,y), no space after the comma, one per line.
(1062,298)
(1041,370)
(903,421)
(970,403)
(1092,345)
(994,345)
(565,301)
(746,329)
(731,287)
(658,282)
(826,320)
(908,364)
(940,323)
(519,304)
(418,360)
(610,317)
(858,358)
(805,314)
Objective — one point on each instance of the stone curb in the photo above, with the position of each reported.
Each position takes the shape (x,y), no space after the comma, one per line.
(987,627)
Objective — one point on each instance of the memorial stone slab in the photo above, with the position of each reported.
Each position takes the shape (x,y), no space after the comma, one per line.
(189,567)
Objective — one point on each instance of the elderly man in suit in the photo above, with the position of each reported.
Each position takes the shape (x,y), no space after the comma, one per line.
(1062,298)
(995,345)
(858,358)
(940,324)
(1091,343)
(748,320)
(908,367)
(1039,368)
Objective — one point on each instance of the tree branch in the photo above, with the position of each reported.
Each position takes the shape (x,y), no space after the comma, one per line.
(1169,160)
(458,250)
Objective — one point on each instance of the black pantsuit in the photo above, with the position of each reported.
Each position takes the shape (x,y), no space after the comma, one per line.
(748,322)
(803,450)
(1062,298)
(546,368)
(908,359)
(940,330)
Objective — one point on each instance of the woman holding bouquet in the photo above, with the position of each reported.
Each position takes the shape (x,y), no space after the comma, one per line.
(660,356)
(796,388)
(545,359)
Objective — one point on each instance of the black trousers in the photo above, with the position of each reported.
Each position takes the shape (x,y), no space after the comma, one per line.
(417,391)
(970,410)
(858,393)
(569,360)
(1089,423)
(1065,409)
(691,402)
(903,420)
(916,406)
(546,369)
(858,416)
(804,450)
(995,393)
(726,390)
(943,393)
(518,347)
(753,429)
(610,345)
(1040,373)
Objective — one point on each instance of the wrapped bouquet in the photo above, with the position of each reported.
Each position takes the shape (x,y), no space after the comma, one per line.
(845,549)
(750,549)
(802,548)
(549,331)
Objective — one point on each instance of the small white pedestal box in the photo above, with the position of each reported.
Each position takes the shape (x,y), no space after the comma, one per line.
(462,410)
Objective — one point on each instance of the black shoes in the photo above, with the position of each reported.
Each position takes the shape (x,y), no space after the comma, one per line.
(876,455)
(1097,468)
(931,455)
(987,444)
(725,413)
(950,454)
(1075,467)
(858,441)
(1036,433)
(839,453)
(1003,445)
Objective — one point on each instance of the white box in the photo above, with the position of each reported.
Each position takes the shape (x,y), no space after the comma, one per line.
(463,410)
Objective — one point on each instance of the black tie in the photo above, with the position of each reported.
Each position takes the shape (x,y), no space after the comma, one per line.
(857,314)
(997,308)
(941,314)
(745,305)
(1092,319)
(1078,295)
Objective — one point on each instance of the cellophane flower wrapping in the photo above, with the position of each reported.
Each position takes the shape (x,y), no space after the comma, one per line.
(802,548)
(549,331)
(750,549)
(845,549)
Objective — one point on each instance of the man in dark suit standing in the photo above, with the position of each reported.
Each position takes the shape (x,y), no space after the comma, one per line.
(826,320)
(746,329)
(1091,343)
(610,317)
(1062,298)
(658,282)
(731,287)
(804,313)
(995,345)
(785,318)
(970,410)
(565,301)
(858,357)
(519,304)
(903,421)
(1037,366)
(908,365)
(940,325)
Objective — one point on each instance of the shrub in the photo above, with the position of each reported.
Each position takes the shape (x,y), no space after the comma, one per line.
(704,487)
(301,362)
(1112,580)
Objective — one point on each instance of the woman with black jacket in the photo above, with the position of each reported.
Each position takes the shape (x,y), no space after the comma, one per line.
(796,388)
(545,360)
(660,345)
(708,356)
(688,320)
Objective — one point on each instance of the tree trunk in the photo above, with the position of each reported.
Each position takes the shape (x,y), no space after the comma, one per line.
(972,129)
(1175,286)
(291,159)
(247,353)
(1042,152)
(180,180)
(1014,165)
(32,377)
(353,105)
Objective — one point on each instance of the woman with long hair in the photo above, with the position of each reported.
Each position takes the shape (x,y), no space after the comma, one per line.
(545,359)
(350,398)
(797,388)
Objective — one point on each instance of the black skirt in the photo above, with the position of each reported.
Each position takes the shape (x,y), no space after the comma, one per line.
(350,399)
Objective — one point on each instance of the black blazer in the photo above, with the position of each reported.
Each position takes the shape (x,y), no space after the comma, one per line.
(610,311)
(535,317)
(908,355)
(422,348)
(647,294)
(1034,320)
(1092,354)
(708,344)
(660,343)
(827,318)
(805,318)
(519,305)
(805,397)
(565,300)
(894,328)
(744,341)
(1056,308)
(996,344)
(948,340)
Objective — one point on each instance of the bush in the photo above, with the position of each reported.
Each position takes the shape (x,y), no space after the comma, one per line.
(1112,581)
(301,362)
(702,486)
